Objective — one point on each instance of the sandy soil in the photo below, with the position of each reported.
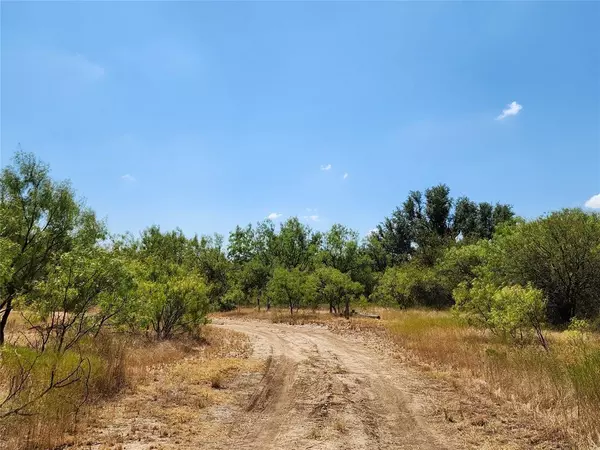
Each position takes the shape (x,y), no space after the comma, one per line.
(322,392)
(305,387)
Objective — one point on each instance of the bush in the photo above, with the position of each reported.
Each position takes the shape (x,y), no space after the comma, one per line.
(173,304)
(409,286)
(512,312)
(232,299)
(461,263)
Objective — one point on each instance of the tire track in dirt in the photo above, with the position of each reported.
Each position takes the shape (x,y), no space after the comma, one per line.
(321,392)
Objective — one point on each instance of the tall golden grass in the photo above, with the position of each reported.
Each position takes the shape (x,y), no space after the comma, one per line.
(562,384)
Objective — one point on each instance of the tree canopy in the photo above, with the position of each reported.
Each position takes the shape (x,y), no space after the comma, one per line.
(431,251)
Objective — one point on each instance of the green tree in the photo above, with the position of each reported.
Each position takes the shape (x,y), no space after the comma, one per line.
(413,208)
(437,210)
(411,285)
(395,235)
(340,248)
(214,266)
(172,294)
(292,288)
(502,213)
(296,245)
(466,219)
(39,219)
(8,250)
(560,255)
(460,263)
(241,246)
(87,287)
(253,279)
(265,242)
(336,289)
(485,222)
(375,252)
(171,300)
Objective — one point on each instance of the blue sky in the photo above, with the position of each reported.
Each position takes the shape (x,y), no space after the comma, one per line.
(208,115)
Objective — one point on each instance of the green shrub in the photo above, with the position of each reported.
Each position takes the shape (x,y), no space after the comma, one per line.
(232,299)
(460,263)
(172,303)
(409,286)
(512,312)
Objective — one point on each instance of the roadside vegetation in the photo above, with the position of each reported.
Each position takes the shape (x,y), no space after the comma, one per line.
(512,302)
(559,385)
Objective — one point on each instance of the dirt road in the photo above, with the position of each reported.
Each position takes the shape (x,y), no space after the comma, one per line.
(306,387)
(322,392)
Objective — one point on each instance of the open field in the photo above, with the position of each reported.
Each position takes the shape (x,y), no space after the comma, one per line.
(415,379)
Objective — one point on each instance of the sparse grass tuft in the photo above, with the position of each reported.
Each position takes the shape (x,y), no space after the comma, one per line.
(216,381)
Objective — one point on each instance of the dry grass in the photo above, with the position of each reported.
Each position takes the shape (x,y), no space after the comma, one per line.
(562,385)
(171,403)
(99,372)
(113,363)
(279,315)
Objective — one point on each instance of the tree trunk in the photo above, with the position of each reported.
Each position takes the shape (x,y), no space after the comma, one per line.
(4,319)
(347,309)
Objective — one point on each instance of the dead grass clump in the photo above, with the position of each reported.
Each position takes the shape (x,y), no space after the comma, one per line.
(217,381)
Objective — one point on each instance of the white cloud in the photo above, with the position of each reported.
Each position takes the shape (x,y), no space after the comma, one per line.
(371,231)
(314,218)
(327,167)
(128,178)
(593,202)
(273,216)
(345,175)
(511,109)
